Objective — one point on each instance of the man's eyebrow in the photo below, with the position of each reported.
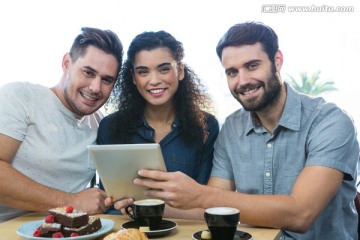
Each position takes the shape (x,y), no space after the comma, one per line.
(246,64)
(252,61)
(90,68)
(109,77)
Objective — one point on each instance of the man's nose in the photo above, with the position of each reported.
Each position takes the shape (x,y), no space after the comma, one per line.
(95,85)
(243,78)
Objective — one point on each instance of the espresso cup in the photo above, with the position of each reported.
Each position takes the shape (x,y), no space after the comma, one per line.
(147,212)
(222,222)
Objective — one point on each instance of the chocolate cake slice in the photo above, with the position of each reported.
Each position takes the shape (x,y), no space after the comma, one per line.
(72,219)
(48,229)
(93,225)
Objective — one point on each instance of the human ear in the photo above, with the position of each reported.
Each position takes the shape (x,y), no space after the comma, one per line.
(279,59)
(181,71)
(66,61)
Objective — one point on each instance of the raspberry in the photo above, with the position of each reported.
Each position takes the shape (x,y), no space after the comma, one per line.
(49,219)
(37,233)
(69,209)
(74,235)
(57,235)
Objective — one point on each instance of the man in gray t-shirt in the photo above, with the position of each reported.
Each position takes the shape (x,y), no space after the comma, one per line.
(285,160)
(44,132)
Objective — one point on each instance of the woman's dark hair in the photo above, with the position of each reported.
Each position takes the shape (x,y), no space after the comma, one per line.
(105,40)
(189,98)
(249,33)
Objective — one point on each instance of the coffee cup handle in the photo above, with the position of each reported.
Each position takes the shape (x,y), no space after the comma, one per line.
(128,212)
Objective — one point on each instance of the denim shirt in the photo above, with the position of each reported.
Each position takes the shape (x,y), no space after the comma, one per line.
(196,162)
(310,132)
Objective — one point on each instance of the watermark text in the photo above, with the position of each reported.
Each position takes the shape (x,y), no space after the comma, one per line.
(282,8)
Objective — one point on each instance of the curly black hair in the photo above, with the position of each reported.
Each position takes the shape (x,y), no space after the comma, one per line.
(189,99)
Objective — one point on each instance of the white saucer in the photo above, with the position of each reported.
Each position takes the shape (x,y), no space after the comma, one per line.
(239,235)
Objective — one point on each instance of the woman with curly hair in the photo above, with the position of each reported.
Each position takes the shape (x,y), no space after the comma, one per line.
(159,99)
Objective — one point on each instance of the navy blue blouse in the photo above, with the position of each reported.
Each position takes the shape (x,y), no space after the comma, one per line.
(194,161)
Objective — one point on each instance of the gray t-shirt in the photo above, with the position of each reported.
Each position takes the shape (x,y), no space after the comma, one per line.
(53,149)
(310,132)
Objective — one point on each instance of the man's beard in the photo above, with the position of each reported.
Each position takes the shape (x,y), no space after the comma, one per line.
(270,96)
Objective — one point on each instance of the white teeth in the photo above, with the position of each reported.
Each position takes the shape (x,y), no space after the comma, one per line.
(250,91)
(155,91)
(88,97)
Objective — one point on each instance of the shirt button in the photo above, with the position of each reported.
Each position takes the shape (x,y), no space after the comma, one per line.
(267,174)
(269,145)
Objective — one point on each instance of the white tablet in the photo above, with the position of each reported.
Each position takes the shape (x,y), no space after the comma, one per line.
(118,164)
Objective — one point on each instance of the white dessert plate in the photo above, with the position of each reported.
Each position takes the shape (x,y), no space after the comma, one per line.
(166,227)
(239,235)
(27,229)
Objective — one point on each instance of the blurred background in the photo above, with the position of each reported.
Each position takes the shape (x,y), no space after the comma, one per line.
(320,40)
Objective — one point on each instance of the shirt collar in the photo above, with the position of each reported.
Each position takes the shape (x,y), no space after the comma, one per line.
(291,116)
(143,122)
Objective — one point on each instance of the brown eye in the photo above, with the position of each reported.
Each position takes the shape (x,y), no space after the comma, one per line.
(88,73)
(164,69)
(231,73)
(142,72)
(253,66)
(107,81)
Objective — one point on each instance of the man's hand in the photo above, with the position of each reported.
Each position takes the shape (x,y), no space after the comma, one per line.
(119,204)
(175,188)
(90,200)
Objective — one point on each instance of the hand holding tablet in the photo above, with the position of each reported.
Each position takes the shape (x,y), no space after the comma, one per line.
(118,164)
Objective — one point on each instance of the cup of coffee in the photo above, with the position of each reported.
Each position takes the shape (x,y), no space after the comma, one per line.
(222,222)
(147,212)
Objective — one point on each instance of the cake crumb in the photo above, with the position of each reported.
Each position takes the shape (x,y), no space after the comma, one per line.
(205,235)
(144,229)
